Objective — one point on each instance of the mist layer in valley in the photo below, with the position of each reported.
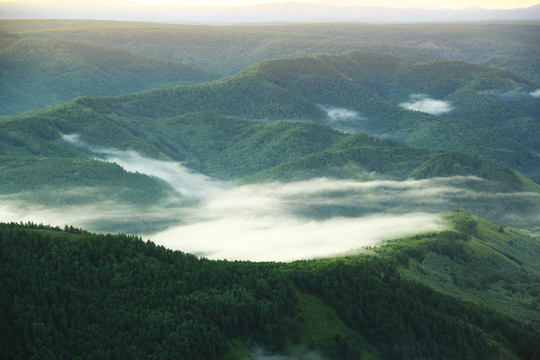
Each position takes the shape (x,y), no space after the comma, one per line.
(273,221)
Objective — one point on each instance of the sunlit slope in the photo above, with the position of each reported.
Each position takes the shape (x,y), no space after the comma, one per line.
(220,49)
(397,162)
(454,105)
(42,72)
(177,305)
(489,265)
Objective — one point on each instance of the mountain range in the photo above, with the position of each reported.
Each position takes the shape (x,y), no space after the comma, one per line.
(359,92)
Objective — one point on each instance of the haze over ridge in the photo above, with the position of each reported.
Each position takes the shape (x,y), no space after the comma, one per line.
(213,12)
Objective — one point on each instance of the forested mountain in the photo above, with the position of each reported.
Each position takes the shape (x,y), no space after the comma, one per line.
(445,104)
(465,107)
(231,148)
(80,295)
(35,73)
(229,49)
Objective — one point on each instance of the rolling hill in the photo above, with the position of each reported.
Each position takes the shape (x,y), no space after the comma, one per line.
(438,104)
(529,68)
(231,148)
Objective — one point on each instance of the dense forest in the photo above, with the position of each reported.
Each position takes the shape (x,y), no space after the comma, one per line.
(73,294)
(373,89)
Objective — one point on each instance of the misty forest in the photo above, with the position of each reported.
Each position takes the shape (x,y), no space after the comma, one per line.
(330,190)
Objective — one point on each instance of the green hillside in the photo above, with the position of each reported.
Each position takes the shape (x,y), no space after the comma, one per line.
(488,112)
(492,265)
(475,119)
(216,49)
(199,127)
(64,181)
(301,149)
(40,72)
(76,294)
(231,148)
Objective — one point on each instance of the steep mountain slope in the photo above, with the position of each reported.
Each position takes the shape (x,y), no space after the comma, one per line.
(42,72)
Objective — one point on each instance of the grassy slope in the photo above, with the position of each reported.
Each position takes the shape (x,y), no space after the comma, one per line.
(42,72)
(493,266)
(318,323)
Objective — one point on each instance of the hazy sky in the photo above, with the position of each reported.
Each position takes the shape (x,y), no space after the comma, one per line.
(455,4)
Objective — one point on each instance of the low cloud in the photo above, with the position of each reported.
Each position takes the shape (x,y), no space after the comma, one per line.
(288,221)
(185,182)
(285,238)
(337,114)
(423,103)
(276,221)
(535,93)
(99,216)
(324,217)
